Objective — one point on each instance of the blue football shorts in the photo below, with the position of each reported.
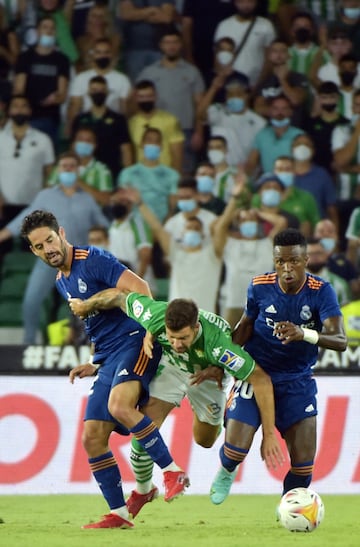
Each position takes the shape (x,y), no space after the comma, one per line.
(295,401)
(126,363)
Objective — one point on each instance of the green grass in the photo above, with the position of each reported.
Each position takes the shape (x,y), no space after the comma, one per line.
(246,521)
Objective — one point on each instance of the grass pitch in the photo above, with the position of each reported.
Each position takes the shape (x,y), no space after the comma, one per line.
(246,521)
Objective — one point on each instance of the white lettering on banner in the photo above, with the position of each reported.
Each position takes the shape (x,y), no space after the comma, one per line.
(49,457)
(53,357)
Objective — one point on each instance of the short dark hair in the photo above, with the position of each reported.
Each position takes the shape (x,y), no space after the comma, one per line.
(302,15)
(328,88)
(226,40)
(271,100)
(181,313)
(188,182)
(348,58)
(44,18)
(144,84)
(98,80)
(84,127)
(152,130)
(218,138)
(289,237)
(314,241)
(99,228)
(19,96)
(169,30)
(70,153)
(38,219)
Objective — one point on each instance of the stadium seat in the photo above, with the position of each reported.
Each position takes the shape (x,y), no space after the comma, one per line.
(17,261)
(13,286)
(10,313)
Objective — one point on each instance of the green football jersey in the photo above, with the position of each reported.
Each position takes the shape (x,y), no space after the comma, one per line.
(212,346)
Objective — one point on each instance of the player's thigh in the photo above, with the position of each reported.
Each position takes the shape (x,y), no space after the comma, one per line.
(169,384)
(242,416)
(207,401)
(301,440)
(125,395)
(157,410)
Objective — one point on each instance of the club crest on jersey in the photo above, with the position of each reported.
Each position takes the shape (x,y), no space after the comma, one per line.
(231,360)
(137,308)
(305,313)
(82,286)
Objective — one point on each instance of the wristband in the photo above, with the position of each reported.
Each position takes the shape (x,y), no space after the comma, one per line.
(311,336)
(91,359)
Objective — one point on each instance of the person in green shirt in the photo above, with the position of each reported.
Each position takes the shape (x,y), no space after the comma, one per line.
(192,340)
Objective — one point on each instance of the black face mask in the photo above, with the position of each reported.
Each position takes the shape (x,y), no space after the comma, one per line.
(98,98)
(316,268)
(20,119)
(347,77)
(119,211)
(302,35)
(103,62)
(329,107)
(146,106)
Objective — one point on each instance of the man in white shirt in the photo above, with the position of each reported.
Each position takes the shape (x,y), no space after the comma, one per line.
(119,85)
(251,58)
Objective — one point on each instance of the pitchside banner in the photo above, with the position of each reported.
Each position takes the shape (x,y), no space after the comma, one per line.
(41,451)
(60,359)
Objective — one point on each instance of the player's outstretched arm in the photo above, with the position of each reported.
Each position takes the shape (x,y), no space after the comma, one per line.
(243,330)
(103,300)
(264,395)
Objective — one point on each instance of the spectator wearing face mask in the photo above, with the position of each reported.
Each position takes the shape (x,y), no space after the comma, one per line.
(26,159)
(42,74)
(349,73)
(114,146)
(245,238)
(157,183)
(338,45)
(337,262)
(321,126)
(103,65)
(94,176)
(317,265)
(130,239)
(67,201)
(205,184)
(189,207)
(274,139)
(217,153)
(233,120)
(192,255)
(299,202)
(222,70)
(348,20)
(304,50)
(314,179)
(148,115)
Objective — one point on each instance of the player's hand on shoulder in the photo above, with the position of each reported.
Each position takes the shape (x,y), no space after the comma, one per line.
(82,371)
(288,332)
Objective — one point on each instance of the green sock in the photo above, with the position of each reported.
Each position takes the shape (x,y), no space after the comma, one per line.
(142,466)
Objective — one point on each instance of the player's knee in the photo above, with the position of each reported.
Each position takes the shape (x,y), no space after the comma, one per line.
(122,413)
(93,443)
(206,439)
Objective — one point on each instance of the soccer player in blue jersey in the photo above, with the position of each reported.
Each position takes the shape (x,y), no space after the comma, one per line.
(124,370)
(289,314)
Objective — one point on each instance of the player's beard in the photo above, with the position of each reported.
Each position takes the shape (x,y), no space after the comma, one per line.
(58,258)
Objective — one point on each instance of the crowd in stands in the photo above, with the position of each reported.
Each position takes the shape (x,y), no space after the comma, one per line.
(189,131)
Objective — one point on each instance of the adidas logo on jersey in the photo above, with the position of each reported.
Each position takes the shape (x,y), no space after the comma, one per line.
(271,309)
(123,372)
(309,408)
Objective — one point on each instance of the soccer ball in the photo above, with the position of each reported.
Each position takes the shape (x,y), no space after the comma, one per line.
(301,510)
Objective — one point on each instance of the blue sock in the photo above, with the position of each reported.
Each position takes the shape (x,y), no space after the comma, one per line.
(107,475)
(231,456)
(299,475)
(149,437)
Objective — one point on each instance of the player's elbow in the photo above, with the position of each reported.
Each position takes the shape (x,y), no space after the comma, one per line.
(342,343)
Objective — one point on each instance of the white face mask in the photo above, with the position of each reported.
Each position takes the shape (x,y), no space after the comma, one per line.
(224,57)
(302,152)
(216,156)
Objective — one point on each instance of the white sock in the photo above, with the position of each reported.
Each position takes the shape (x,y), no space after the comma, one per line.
(121,512)
(144,487)
(171,467)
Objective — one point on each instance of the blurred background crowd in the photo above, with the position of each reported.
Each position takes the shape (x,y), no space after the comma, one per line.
(181,135)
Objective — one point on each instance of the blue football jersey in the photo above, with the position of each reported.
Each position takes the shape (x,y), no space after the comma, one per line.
(267,304)
(94,270)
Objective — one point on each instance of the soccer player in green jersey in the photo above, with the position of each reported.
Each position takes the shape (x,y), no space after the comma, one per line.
(192,340)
